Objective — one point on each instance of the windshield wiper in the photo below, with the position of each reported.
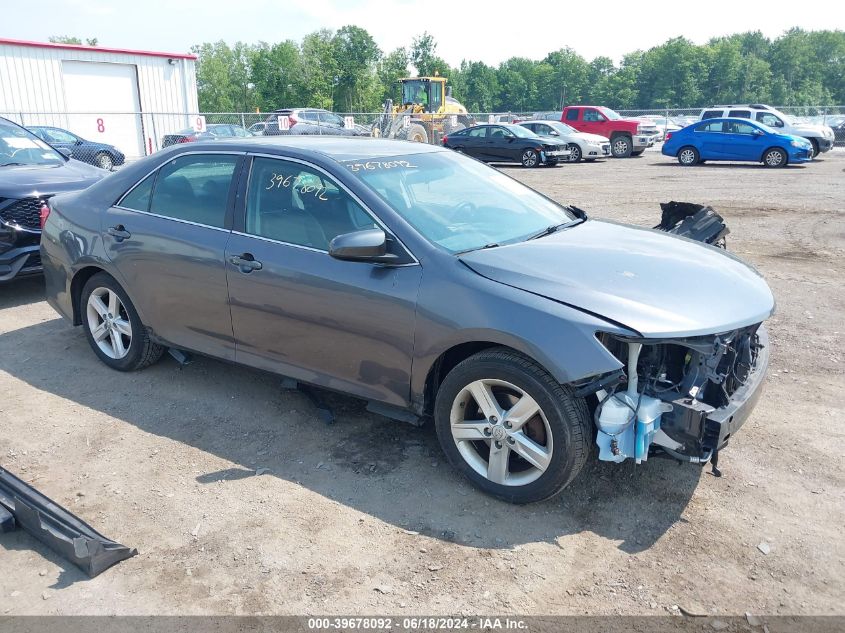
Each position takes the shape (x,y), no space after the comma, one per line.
(554,228)
(478,248)
(11,164)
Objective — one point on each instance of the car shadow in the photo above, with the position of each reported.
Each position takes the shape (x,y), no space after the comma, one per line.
(387,469)
(725,165)
(21,292)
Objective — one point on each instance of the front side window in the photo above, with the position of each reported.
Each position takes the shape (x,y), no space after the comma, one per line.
(456,202)
(741,128)
(293,203)
(592,116)
(194,188)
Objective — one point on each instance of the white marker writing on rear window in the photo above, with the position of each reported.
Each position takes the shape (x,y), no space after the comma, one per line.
(280,180)
(375,164)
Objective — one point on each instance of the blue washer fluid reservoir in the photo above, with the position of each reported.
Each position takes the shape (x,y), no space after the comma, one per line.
(648,421)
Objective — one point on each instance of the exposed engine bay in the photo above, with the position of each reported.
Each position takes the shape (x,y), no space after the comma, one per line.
(677,396)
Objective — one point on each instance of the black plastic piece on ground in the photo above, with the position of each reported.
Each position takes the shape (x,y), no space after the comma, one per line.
(694,221)
(57,528)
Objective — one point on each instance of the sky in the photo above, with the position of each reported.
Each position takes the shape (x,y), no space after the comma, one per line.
(490,31)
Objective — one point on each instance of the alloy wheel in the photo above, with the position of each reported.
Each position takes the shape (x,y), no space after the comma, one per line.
(575,154)
(501,432)
(109,323)
(529,158)
(774,158)
(687,157)
(104,161)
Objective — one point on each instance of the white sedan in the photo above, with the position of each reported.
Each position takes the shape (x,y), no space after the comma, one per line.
(582,145)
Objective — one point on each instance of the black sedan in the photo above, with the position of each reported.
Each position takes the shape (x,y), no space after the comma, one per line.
(102,155)
(213,132)
(31,172)
(503,143)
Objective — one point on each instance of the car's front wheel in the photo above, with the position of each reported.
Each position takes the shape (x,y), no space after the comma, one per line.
(113,328)
(530,158)
(514,431)
(621,146)
(775,157)
(575,153)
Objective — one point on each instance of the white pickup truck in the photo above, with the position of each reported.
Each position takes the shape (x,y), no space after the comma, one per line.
(821,136)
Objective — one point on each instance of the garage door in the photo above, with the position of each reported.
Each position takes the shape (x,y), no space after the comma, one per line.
(107,94)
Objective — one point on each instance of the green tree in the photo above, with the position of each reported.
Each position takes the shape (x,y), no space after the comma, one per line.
(355,56)
(224,77)
(277,73)
(392,68)
(320,72)
(424,59)
(66,39)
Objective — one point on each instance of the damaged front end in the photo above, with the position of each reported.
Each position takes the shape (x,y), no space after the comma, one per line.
(684,397)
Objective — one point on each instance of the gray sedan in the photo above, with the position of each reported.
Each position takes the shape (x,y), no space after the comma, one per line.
(427,284)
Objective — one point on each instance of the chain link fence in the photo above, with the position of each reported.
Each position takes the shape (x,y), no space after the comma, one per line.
(108,140)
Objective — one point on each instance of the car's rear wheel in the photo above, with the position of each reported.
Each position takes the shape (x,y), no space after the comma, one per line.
(621,146)
(530,158)
(815,145)
(575,153)
(775,157)
(688,156)
(513,430)
(113,328)
(105,161)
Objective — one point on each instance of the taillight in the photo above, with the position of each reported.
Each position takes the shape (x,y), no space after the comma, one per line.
(43,214)
(445,139)
(292,119)
(187,139)
(668,136)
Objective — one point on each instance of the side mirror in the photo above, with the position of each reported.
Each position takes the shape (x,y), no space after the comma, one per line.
(64,151)
(78,142)
(369,245)
(554,133)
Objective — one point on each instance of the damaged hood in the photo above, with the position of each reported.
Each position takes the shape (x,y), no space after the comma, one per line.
(659,285)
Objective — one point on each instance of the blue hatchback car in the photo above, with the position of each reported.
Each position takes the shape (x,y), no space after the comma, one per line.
(736,139)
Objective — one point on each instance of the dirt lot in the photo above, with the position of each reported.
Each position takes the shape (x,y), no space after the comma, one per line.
(366,517)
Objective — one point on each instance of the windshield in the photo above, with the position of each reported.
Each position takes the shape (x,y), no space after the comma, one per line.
(562,128)
(457,202)
(20,147)
(415,92)
(610,114)
(520,131)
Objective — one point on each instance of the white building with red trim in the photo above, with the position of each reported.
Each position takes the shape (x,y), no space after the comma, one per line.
(127,98)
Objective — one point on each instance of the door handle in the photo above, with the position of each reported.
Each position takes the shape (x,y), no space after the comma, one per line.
(119,232)
(246,262)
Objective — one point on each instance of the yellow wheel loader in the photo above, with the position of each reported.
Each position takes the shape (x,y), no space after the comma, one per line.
(427,112)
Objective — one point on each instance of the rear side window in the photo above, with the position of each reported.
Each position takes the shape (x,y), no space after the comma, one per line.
(139,198)
(479,132)
(740,114)
(715,126)
(194,188)
(711,114)
(572,115)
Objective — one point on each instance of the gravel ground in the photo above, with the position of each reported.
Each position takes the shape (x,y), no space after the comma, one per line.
(366,517)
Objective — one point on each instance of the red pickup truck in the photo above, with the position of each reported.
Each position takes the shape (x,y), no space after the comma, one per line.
(628,137)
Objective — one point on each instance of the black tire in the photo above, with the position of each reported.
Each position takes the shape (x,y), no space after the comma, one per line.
(576,156)
(621,146)
(567,417)
(416,133)
(105,161)
(688,156)
(815,145)
(775,157)
(530,158)
(142,351)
